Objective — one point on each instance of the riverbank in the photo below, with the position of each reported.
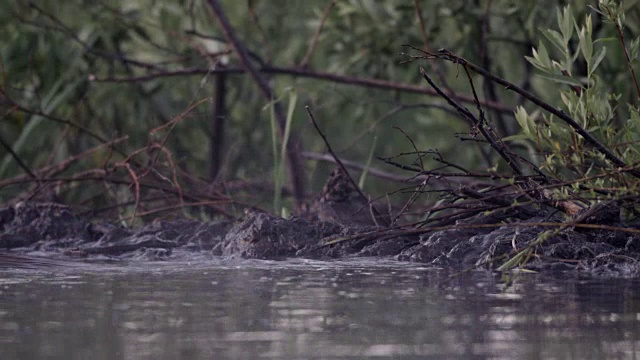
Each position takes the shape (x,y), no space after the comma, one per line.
(486,241)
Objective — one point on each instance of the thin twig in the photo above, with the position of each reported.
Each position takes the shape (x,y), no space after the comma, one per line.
(251,7)
(475,122)
(412,144)
(425,39)
(316,36)
(333,154)
(17,158)
(81,128)
(624,48)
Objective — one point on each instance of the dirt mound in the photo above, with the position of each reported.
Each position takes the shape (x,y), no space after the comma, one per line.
(54,228)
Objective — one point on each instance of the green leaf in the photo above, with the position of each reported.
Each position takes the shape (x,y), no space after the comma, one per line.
(367,166)
(540,58)
(586,43)
(521,117)
(515,261)
(596,10)
(556,39)
(517,137)
(597,60)
(535,63)
(561,79)
(565,23)
(605,39)
(277,196)
(633,49)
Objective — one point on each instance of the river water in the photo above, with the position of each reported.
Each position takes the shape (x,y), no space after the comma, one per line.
(300,309)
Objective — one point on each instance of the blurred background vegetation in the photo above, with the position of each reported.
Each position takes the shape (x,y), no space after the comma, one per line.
(77,74)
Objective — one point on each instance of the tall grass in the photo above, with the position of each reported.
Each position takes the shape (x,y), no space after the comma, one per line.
(279,155)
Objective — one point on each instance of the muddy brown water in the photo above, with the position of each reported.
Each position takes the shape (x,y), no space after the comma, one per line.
(208,308)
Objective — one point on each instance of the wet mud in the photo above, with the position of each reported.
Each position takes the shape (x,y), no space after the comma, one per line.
(55,229)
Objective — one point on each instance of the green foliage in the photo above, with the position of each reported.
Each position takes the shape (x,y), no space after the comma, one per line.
(73,76)
(586,78)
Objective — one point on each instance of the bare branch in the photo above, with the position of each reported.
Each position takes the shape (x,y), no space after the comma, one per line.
(325,76)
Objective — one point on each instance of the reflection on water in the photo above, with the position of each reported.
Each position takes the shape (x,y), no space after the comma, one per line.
(308,309)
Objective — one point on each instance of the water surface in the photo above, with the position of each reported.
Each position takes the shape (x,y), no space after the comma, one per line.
(365,308)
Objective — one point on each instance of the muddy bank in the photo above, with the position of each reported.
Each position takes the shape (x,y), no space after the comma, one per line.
(54,228)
